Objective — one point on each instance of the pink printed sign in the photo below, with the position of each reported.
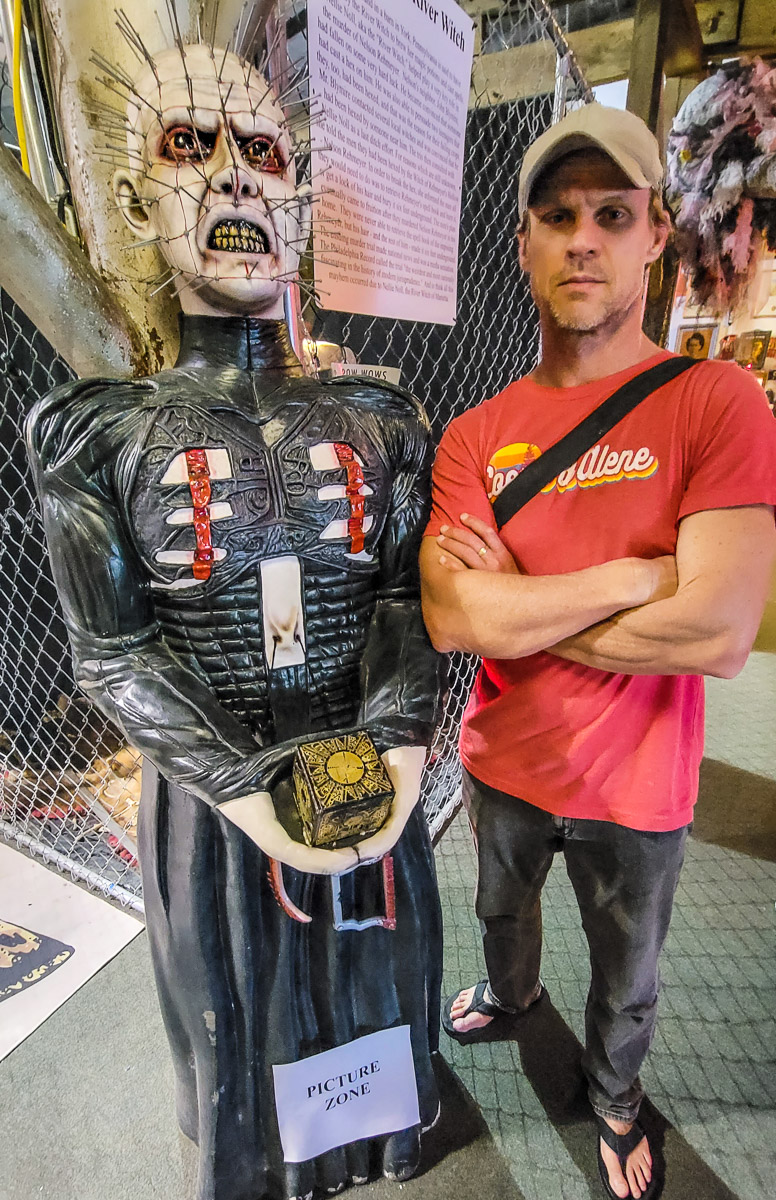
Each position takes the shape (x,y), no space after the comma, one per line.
(391,81)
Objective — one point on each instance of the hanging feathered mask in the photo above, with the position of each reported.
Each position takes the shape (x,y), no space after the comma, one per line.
(722,180)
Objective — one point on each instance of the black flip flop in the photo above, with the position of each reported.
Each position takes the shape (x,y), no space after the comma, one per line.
(623,1144)
(498,1027)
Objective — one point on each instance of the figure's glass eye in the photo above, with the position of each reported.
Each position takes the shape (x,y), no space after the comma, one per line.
(184,144)
(264,154)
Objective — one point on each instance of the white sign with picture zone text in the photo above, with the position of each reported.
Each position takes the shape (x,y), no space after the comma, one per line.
(364,1089)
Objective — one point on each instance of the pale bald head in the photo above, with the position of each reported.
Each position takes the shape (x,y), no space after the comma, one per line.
(218,82)
(213,177)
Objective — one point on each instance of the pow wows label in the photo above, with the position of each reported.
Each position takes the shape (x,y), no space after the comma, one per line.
(598,465)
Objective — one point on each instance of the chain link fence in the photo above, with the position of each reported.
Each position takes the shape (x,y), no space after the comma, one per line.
(70,788)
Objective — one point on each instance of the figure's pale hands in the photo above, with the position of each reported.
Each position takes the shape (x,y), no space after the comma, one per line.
(405,765)
(255,815)
(475,547)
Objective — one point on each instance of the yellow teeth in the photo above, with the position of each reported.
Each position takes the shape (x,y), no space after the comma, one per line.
(241,237)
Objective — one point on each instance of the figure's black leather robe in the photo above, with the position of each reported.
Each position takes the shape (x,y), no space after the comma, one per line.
(185,667)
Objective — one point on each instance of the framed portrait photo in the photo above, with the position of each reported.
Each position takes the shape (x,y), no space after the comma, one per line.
(759,352)
(696,341)
(752,348)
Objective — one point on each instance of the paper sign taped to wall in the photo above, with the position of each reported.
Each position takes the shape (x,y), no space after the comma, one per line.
(390,84)
(364,371)
(363,1089)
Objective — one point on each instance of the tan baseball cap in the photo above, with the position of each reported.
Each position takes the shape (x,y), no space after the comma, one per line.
(622,135)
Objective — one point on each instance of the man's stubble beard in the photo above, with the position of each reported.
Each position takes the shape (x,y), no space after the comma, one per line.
(607,320)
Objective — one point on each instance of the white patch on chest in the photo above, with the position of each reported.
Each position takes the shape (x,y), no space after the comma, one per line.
(182,558)
(324,457)
(217,512)
(339,529)
(282,612)
(218,461)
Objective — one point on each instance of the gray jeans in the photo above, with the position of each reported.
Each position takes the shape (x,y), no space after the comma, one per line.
(624,881)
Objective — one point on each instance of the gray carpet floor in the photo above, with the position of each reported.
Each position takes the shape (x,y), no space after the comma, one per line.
(86,1105)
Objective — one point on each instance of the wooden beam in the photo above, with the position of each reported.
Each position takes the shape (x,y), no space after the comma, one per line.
(684,51)
(513,74)
(603,53)
(480,8)
(758,25)
(675,92)
(651,33)
(718,20)
(648,51)
(666,41)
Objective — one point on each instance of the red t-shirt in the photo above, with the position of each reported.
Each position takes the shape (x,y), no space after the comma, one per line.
(573,740)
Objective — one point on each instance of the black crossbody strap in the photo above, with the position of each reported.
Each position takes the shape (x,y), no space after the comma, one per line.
(570,448)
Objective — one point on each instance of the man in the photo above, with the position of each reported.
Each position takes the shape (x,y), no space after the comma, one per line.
(235,547)
(642,567)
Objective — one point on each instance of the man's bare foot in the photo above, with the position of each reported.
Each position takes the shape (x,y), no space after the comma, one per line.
(473,1020)
(638,1168)
(477,1020)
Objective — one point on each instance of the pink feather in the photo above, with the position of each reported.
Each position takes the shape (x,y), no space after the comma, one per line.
(737,245)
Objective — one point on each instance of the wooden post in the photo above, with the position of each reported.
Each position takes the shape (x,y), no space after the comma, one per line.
(662,29)
(648,51)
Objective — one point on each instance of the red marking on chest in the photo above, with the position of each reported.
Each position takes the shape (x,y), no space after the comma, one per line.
(199,486)
(353,487)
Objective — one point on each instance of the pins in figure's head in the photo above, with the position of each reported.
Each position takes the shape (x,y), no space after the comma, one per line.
(212,175)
